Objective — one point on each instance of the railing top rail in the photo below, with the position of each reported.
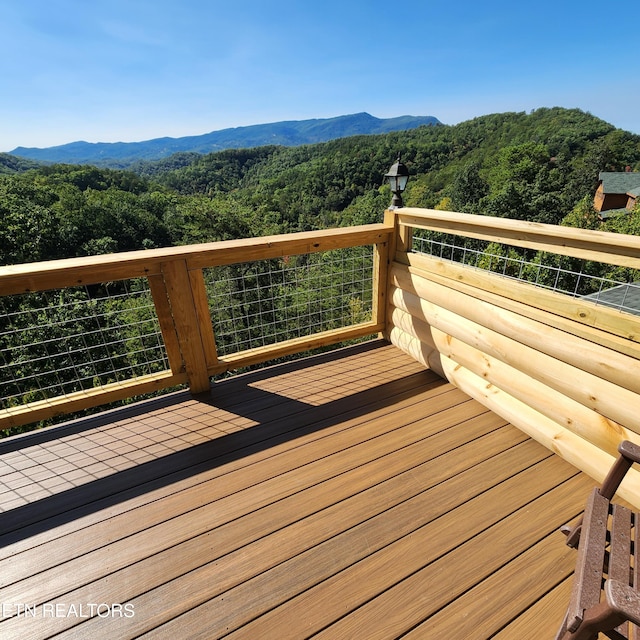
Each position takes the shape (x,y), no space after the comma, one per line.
(602,246)
(54,274)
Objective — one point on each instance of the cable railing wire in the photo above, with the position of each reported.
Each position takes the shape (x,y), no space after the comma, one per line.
(553,272)
(260,303)
(59,342)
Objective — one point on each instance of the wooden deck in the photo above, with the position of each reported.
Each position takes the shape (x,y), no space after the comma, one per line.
(350,495)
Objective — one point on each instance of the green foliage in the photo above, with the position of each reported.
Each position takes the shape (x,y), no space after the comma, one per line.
(624,223)
(468,188)
(201,219)
(501,259)
(10,164)
(583,215)
(64,211)
(28,225)
(525,184)
(541,166)
(214,173)
(366,209)
(535,166)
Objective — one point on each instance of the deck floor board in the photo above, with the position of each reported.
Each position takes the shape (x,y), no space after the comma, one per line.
(355,487)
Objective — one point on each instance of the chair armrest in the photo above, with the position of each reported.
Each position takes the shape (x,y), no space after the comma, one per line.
(629,453)
(629,450)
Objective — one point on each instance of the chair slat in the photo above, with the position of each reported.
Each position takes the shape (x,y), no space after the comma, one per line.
(620,551)
(620,554)
(587,583)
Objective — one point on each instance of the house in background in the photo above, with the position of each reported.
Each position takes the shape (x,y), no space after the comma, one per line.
(617,190)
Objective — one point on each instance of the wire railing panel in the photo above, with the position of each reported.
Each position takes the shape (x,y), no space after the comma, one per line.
(256,304)
(58,342)
(607,285)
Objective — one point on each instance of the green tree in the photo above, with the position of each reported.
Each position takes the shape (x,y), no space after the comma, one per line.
(583,215)
(468,188)
(28,222)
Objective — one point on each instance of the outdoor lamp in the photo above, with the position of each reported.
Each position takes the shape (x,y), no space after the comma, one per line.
(397,176)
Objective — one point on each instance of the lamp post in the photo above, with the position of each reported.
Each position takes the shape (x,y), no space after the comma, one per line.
(397,177)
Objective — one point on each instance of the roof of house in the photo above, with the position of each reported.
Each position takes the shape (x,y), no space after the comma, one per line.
(619,181)
(624,297)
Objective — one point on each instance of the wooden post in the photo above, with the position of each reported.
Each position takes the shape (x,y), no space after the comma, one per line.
(198,288)
(380,291)
(165,319)
(185,318)
(400,240)
(402,236)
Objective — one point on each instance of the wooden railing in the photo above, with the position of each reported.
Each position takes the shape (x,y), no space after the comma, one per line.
(176,281)
(563,369)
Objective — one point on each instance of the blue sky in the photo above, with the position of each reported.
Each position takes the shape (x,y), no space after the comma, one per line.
(129,70)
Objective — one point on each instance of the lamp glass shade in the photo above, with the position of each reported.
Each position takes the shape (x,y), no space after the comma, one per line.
(398,183)
(398,176)
(401,183)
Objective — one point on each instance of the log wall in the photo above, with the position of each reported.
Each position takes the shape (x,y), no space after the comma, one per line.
(565,371)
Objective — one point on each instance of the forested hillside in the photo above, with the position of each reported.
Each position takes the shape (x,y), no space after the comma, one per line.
(538,166)
(12,164)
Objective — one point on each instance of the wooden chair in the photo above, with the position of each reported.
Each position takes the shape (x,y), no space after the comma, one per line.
(606,585)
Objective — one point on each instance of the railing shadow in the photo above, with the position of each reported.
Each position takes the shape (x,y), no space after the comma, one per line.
(277,419)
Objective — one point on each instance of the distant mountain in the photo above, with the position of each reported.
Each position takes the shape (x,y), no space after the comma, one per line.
(290,133)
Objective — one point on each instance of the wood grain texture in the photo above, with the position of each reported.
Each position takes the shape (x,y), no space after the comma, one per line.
(186,321)
(597,323)
(601,246)
(56,274)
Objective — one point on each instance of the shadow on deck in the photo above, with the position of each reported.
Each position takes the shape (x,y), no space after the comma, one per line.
(349,495)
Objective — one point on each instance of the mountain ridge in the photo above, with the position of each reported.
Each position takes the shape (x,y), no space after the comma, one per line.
(284,133)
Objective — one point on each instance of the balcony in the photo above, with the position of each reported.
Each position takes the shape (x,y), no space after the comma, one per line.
(385,489)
